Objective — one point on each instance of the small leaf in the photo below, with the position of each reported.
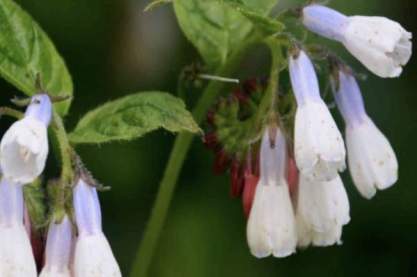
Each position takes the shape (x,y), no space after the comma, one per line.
(26,51)
(133,116)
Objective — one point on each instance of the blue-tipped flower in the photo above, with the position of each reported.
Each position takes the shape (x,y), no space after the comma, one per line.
(16,257)
(382,45)
(93,255)
(24,146)
(59,245)
(318,144)
(271,224)
(372,161)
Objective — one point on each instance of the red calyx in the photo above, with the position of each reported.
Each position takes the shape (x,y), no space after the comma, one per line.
(236,179)
(250,182)
(251,179)
(221,162)
(292,177)
(210,140)
(36,240)
(210,117)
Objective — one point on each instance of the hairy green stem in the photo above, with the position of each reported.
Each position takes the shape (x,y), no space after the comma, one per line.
(176,160)
(67,174)
(270,100)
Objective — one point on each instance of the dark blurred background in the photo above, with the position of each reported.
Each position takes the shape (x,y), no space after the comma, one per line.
(113,48)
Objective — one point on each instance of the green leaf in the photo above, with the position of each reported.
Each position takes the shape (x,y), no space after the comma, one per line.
(216,28)
(26,51)
(133,116)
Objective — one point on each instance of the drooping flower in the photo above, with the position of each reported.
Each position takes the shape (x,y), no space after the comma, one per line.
(271,223)
(372,161)
(381,44)
(24,147)
(58,249)
(318,144)
(93,255)
(322,211)
(16,257)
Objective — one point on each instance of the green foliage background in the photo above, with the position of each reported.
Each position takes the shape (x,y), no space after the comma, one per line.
(112,48)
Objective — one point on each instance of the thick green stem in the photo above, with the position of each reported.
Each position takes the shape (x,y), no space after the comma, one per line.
(268,104)
(67,174)
(167,186)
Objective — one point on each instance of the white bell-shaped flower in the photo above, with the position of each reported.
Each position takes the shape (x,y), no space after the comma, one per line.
(379,43)
(16,256)
(271,223)
(93,255)
(372,161)
(59,246)
(322,211)
(318,145)
(24,146)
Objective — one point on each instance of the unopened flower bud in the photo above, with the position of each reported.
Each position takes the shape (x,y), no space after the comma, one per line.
(93,255)
(58,249)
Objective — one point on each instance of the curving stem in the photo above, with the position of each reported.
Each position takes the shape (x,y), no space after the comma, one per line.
(176,160)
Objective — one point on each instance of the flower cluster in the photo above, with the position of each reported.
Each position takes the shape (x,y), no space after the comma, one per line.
(288,175)
(70,252)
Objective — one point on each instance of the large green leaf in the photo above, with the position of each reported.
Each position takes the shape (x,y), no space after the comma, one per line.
(133,116)
(262,22)
(26,51)
(215,28)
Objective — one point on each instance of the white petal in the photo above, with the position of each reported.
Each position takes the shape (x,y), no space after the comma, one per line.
(54,272)
(382,45)
(16,257)
(322,210)
(330,237)
(94,258)
(271,223)
(372,161)
(304,231)
(319,148)
(323,204)
(24,149)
